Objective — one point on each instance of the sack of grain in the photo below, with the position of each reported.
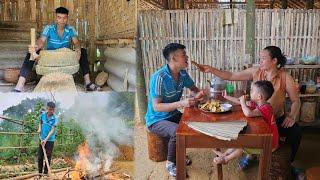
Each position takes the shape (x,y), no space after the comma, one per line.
(59,57)
(43,70)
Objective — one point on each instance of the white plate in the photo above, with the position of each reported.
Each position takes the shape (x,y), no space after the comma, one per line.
(226,106)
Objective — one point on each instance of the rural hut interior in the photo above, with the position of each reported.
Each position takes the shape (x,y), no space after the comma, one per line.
(106,29)
(230,35)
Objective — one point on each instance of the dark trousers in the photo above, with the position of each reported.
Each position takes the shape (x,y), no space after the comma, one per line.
(27,64)
(48,147)
(167,129)
(292,134)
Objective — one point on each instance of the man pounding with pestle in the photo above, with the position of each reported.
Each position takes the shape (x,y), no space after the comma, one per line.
(58,35)
(47,134)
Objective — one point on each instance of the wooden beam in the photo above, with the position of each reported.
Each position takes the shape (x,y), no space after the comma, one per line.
(250,29)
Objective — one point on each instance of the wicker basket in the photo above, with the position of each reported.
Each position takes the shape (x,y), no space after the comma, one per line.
(308,111)
(59,57)
(43,70)
(11,75)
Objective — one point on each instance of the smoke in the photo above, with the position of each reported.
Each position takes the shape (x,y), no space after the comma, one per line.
(101,116)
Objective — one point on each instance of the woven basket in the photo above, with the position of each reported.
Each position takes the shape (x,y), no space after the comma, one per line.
(11,75)
(59,57)
(43,70)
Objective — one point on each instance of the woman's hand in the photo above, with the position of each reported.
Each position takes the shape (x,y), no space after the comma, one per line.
(288,122)
(205,68)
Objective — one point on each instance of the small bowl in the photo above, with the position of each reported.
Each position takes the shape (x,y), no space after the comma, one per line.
(226,106)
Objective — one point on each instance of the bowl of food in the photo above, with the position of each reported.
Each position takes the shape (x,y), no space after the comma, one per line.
(215,106)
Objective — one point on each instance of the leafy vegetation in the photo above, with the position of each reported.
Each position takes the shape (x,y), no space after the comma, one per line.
(69,134)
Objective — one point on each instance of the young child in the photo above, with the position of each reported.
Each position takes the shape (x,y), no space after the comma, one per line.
(260,92)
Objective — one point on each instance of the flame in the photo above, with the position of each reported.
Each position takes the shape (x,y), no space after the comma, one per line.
(83,163)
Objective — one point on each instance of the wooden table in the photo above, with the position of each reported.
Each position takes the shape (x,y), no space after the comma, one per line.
(256,135)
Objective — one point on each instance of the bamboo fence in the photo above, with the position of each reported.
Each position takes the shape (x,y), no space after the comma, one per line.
(209,41)
(65,141)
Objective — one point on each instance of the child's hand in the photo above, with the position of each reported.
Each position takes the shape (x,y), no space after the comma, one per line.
(243,99)
(224,94)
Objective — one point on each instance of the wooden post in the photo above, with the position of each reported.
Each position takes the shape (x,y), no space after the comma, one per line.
(284,4)
(6,15)
(250,29)
(33,6)
(310,4)
(140,82)
(165,4)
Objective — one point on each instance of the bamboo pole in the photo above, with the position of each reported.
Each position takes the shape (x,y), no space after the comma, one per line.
(250,29)
(140,81)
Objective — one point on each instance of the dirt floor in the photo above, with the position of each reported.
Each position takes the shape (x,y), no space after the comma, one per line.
(202,167)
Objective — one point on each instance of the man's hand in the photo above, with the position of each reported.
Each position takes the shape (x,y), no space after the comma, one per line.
(187,102)
(288,122)
(43,143)
(32,49)
(201,96)
(78,51)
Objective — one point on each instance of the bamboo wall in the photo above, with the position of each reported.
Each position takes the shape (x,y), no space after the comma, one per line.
(209,41)
(296,32)
(43,12)
(117,19)
(206,39)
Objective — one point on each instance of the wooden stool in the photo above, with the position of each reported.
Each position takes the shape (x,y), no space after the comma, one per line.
(280,162)
(157,147)
(313,173)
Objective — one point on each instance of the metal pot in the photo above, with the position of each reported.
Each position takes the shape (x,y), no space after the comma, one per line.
(217,85)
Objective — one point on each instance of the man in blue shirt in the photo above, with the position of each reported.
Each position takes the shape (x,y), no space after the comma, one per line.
(47,133)
(165,91)
(58,35)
